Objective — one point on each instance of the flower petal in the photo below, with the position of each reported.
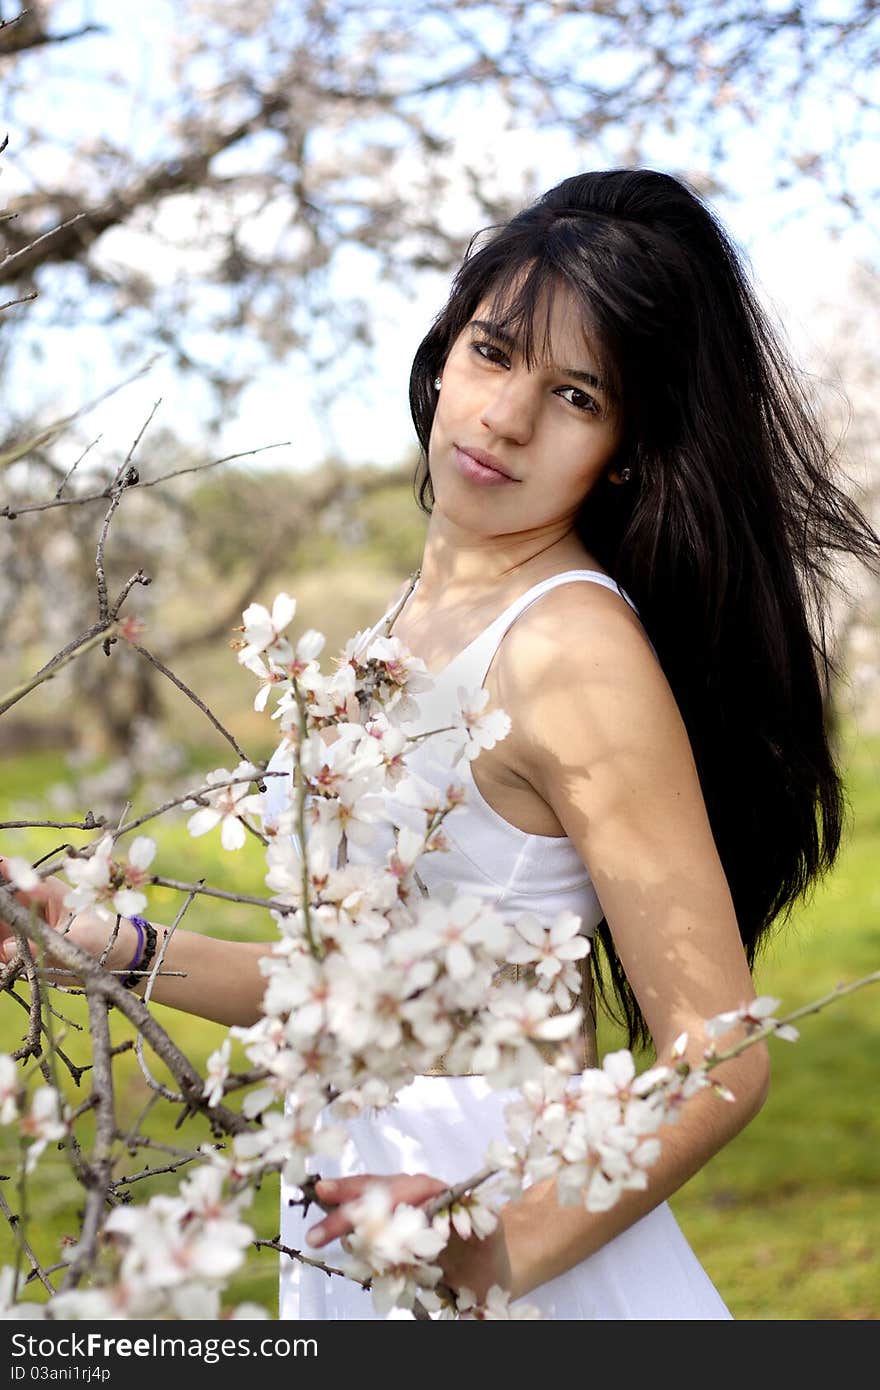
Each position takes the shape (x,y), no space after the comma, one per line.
(232,835)
(203,820)
(141,852)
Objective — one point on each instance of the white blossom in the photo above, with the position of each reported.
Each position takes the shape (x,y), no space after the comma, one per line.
(129,900)
(758,1014)
(282,665)
(43,1123)
(22,873)
(10,1089)
(193,1238)
(271,676)
(470,1215)
(108,886)
(481,730)
(460,931)
(553,952)
(497,1306)
(262,630)
(288,1141)
(397,1243)
(226,806)
(217,1068)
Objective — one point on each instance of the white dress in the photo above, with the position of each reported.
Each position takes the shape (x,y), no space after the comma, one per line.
(443,1124)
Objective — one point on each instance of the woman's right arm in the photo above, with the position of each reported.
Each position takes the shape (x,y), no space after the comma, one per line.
(218,980)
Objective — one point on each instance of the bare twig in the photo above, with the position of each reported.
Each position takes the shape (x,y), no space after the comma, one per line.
(200,704)
(20,451)
(32,1046)
(16,260)
(172,1167)
(215,463)
(48,673)
(272,904)
(37,1271)
(90,823)
(57,427)
(196,796)
(123,467)
(70,647)
(73,467)
(101,1166)
(25,299)
(41,38)
(103,604)
(139,577)
(309,1260)
(151,1081)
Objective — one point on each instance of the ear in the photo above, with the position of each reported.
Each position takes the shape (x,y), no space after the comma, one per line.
(619,476)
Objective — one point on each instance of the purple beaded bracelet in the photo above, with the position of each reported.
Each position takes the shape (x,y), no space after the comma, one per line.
(139,924)
(147,939)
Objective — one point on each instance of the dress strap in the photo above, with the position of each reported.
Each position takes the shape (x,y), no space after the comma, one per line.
(480,653)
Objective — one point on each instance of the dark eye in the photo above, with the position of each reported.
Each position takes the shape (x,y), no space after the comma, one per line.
(579,399)
(488,351)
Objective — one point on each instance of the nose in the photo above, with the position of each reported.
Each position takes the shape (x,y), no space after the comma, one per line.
(509,408)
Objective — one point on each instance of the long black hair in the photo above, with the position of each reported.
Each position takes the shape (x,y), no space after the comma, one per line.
(724,533)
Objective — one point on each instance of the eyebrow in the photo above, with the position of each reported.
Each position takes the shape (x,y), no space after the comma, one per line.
(509,341)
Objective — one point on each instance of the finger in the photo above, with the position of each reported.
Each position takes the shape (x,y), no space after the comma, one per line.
(409,1188)
(334,1226)
(418,1185)
(343,1189)
(9,949)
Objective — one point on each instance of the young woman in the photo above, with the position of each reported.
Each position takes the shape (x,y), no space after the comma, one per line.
(631,509)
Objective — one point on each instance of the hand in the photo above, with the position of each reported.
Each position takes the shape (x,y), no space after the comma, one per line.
(472,1264)
(87,929)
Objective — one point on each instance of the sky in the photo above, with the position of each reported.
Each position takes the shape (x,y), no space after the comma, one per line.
(800,270)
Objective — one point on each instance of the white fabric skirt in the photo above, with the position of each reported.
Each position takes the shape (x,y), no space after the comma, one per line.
(442,1125)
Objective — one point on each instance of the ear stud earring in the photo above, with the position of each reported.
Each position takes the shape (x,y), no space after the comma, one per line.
(625,475)
(436,383)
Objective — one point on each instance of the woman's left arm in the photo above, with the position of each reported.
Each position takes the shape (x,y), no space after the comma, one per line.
(600,737)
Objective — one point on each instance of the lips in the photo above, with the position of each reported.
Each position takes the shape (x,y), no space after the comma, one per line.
(487,460)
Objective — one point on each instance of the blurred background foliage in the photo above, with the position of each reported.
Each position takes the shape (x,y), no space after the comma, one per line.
(254,190)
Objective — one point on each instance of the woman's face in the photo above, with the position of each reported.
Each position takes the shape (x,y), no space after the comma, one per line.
(553,430)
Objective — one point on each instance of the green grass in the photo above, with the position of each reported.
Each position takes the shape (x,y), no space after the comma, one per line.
(785,1219)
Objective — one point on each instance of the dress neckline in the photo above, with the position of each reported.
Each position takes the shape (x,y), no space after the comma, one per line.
(436,675)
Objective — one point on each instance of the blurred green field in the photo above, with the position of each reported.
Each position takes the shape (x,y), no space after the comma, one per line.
(785,1220)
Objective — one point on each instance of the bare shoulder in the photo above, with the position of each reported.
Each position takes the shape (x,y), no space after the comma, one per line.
(595,728)
(579,659)
(592,607)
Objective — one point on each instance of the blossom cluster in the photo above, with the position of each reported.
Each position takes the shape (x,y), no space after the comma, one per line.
(595,1133)
(106,886)
(173,1255)
(40,1118)
(369,981)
